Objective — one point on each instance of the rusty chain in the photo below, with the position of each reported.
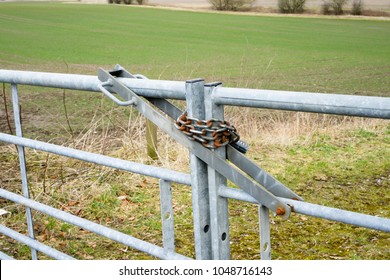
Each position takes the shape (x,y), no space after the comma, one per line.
(211,133)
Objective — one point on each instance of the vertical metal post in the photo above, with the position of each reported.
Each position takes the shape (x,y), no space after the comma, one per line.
(22,162)
(199,182)
(265,233)
(168,230)
(219,214)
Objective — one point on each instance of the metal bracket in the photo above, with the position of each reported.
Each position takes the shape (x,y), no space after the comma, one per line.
(109,80)
(112,97)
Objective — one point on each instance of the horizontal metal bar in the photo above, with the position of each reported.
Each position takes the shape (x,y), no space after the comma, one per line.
(351,105)
(4,256)
(143,87)
(54,80)
(319,211)
(51,252)
(115,235)
(148,170)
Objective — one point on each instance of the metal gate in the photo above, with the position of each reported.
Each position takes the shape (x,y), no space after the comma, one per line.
(215,157)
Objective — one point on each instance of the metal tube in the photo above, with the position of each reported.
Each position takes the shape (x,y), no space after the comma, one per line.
(144,87)
(32,243)
(55,80)
(351,105)
(339,215)
(4,256)
(148,170)
(117,236)
(314,210)
(22,163)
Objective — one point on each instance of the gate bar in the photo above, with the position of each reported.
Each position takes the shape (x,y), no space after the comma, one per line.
(265,233)
(166,209)
(338,104)
(148,170)
(350,105)
(32,243)
(22,163)
(4,256)
(319,211)
(112,234)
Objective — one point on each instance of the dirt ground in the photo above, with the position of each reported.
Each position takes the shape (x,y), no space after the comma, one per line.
(380,5)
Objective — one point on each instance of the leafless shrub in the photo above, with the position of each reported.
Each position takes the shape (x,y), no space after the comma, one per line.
(127,2)
(326,8)
(357,8)
(231,5)
(335,7)
(291,6)
(338,6)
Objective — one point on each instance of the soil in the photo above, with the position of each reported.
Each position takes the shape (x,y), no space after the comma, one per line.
(377,5)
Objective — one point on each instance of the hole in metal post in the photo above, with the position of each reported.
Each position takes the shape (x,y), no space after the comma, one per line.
(265,247)
(206,228)
(167,215)
(223,237)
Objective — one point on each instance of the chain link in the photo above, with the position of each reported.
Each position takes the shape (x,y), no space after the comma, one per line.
(212,133)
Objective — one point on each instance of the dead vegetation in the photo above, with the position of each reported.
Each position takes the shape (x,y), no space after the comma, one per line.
(298,148)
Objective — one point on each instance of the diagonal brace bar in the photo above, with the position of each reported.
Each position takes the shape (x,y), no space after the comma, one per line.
(259,175)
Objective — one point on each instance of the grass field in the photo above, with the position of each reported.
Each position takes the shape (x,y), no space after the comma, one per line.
(334,161)
(343,56)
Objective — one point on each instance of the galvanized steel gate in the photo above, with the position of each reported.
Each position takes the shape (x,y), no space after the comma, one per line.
(210,169)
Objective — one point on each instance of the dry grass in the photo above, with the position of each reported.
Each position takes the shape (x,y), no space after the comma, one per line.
(265,127)
(129,202)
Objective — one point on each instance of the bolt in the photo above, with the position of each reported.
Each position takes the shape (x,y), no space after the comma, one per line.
(280,211)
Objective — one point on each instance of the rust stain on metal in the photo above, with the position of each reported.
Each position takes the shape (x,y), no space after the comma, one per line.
(280,211)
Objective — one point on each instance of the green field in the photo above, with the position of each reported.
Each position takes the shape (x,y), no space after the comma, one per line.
(334,161)
(308,54)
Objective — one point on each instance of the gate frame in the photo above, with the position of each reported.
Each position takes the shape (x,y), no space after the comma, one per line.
(209,188)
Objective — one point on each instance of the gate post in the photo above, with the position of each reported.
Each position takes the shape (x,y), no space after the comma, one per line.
(199,181)
(219,214)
